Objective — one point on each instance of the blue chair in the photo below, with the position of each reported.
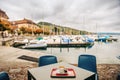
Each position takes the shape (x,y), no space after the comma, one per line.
(88,62)
(46,60)
(4,76)
(118,77)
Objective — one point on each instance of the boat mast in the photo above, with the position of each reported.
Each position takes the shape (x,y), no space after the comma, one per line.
(96,28)
(32,28)
(43,22)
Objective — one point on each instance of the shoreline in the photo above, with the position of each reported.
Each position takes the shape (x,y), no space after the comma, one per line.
(17,68)
(7,52)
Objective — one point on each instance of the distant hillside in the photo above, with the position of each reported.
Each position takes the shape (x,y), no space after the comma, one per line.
(57,29)
(45,23)
(108,33)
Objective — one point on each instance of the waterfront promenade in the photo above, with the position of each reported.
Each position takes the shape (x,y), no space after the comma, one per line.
(108,66)
(17,68)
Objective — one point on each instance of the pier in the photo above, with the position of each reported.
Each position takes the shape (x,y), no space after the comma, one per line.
(109,40)
(6,41)
(69,44)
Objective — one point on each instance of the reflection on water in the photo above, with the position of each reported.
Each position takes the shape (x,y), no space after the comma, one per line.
(98,47)
(102,50)
(62,50)
(69,48)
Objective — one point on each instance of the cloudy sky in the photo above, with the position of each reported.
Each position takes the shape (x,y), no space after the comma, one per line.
(89,15)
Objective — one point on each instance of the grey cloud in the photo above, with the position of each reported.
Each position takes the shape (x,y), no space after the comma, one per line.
(79,14)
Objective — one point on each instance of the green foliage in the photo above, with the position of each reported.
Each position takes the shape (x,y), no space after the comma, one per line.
(57,28)
(45,23)
(23,30)
(2,27)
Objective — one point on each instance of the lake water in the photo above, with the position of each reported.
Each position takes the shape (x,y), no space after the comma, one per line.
(106,53)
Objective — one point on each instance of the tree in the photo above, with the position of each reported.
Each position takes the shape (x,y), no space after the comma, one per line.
(55,28)
(2,27)
(39,30)
(22,29)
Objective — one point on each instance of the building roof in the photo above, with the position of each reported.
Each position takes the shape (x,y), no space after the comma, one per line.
(27,21)
(3,14)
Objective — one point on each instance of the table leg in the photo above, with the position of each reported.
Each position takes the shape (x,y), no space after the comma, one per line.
(29,76)
(93,77)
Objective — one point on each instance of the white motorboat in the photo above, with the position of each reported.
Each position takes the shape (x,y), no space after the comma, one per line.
(31,44)
(38,45)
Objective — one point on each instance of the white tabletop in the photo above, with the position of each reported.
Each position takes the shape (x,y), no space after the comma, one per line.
(43,73)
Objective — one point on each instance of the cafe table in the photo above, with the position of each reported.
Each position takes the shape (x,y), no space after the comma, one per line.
(44,72)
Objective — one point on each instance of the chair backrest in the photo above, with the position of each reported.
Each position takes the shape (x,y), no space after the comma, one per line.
(87,62)
(46,60)
(4,76)
(118,77)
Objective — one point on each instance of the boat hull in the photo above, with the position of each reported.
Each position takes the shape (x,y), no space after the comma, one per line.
(35,46)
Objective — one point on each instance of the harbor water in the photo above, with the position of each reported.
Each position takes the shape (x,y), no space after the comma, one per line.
(105,52)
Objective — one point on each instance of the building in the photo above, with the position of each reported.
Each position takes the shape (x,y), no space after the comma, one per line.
(26,23)
(3,15)
(4,23)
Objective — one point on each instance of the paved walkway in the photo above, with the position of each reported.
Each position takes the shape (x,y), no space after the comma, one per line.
(12,54)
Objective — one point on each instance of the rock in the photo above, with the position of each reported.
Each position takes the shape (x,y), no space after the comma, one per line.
(15,70)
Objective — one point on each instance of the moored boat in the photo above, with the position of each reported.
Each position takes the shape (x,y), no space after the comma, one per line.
(31,44)
(35,46)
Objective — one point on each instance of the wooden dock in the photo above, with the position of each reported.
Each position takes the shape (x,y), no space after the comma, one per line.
(61,44)
(109,40)
(69,44)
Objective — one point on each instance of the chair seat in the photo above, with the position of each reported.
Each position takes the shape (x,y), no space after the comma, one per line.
(118,77)
(4,76)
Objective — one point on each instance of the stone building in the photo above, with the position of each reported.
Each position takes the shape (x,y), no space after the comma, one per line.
(4,23)
(3,15)
(4,18)
(26,23)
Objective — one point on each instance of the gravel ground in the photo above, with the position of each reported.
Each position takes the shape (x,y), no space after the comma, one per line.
(17,69)
(19,72)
